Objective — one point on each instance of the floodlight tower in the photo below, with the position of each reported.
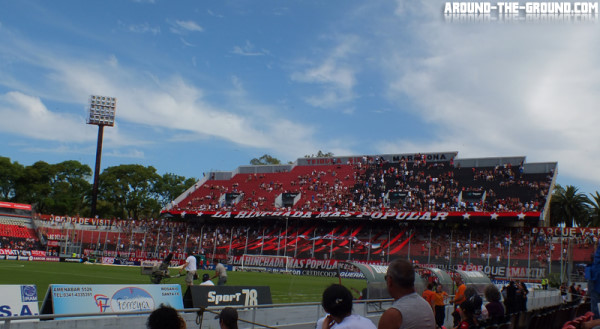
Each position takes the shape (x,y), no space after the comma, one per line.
(102,113)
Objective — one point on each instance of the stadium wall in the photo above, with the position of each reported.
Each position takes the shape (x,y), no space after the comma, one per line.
(267,169)
(489,162)
(352,159)
(430,157)
(539,168)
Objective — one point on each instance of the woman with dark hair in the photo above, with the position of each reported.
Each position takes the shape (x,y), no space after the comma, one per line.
(165,317)
(494,307)
(337,302)
(467,311)
(476,300)
(228,318)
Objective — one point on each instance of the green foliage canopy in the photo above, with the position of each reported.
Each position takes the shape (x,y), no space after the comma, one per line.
(568,206)
(125,191)
(265,160)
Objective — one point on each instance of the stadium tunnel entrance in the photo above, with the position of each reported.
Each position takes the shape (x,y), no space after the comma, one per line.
(375,276)
(377,287)
(475,279)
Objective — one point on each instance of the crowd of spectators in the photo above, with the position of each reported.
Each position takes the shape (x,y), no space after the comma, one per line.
(325,240)
(14,243)
(359,240)
(375,184)
(320,189)
(498,245)
(442,186)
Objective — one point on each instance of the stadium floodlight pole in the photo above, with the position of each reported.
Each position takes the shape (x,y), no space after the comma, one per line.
(262,242)
(246,245)
(286,235)
(489,244)
(200,249)
(101,113)
(429,249)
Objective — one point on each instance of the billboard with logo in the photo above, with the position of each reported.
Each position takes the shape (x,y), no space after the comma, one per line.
(107,298)
(18,300)
(202,296)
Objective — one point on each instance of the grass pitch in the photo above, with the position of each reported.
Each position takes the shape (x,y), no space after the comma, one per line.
(285,288)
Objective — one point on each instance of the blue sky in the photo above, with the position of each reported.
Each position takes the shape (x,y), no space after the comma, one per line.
(209,85)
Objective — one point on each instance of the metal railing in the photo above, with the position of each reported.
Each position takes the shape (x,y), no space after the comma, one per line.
(199,313)
(311,311)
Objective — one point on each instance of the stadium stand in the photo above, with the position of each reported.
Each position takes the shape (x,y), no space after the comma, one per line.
(16,228)
(229,214)
(320,186)
(415,182)
(319,239)
(252,210)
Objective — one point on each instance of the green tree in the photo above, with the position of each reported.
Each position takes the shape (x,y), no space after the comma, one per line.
(55,188)
(265,160)
(594,204)
(70,188)
(170,186)
(130,189)
(320,154)
(34,186)
(10,172)
(568,206)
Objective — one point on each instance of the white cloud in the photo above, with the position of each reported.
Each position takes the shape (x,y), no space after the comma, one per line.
(329,98)
(168,105)
(132,153)
(189,26)
(248,50)
(493,89)
(211,13)
(144,28)
(186,43)
(335,75)
(64,148)
(27,116)
(113,61)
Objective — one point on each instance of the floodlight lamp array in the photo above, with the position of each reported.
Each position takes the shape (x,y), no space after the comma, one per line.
(102,110)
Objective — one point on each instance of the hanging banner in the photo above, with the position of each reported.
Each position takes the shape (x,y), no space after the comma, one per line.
(421,216)
(11,205)
(565,231)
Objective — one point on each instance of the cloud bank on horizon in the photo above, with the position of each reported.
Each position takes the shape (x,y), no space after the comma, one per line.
(209,86)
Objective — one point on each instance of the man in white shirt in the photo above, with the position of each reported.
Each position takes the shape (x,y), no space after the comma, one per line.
(190,267)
